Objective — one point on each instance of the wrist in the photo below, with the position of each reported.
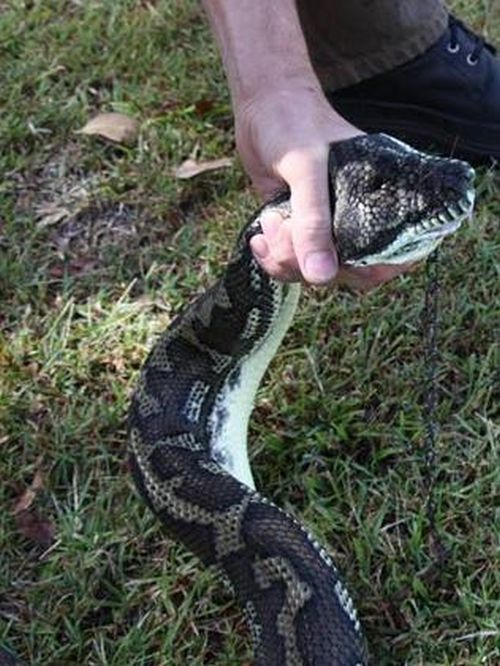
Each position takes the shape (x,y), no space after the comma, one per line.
(280,94)
(262,46)
(293,106)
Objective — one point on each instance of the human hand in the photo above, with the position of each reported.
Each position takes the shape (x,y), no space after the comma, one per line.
(284,127)
(284,137)
(277,233)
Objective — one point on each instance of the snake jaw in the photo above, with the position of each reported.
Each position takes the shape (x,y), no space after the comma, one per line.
(417,242)
(392,203)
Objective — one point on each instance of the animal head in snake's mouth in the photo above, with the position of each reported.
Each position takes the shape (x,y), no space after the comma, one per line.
(394,204)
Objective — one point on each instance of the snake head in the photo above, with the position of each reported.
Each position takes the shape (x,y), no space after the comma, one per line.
(392,203)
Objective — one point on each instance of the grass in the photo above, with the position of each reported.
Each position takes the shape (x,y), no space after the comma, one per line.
(337,432)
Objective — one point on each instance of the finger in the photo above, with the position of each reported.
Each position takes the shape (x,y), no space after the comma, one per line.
(282,245)
(271,266)
(261,243)
(273,249)
(311,230)
(278,233)
(259,247)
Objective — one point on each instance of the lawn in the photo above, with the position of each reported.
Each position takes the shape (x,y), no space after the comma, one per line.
(100,245)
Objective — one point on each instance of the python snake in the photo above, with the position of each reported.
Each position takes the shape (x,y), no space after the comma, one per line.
(190,410)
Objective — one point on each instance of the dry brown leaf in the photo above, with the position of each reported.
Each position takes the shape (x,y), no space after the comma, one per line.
(190,167)
(30,522)
(116,127)
(203,106)
(26,499)
(35,527)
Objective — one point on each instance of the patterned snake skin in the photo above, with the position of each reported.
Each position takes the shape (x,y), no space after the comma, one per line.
(189,414)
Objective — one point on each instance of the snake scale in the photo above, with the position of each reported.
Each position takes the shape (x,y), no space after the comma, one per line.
(190,410)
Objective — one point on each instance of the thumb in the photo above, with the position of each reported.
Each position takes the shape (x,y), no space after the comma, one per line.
(311,222)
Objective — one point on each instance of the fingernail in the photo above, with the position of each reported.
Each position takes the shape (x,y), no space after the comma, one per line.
(320,266)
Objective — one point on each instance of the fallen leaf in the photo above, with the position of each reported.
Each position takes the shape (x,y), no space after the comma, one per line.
(116,127)
(25,500)
(30,522)
(190,167)
(35,527)
(204,106)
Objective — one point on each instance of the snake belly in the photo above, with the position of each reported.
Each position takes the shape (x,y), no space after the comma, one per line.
(189,413)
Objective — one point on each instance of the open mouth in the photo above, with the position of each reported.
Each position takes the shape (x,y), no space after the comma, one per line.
(416,243)
(442,230)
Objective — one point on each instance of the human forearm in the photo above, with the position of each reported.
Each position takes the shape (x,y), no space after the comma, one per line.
(284,126)
(262,45)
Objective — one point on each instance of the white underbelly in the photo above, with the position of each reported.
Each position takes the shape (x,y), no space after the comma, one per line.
(229,419)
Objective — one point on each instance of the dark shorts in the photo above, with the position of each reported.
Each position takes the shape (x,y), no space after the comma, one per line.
(352,40)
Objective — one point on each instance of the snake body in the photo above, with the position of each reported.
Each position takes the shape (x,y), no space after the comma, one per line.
(189,413)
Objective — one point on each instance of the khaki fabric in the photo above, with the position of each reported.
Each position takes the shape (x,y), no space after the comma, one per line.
(352,40)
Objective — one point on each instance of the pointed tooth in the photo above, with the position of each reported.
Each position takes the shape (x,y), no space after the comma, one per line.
(465,205)
(444,218)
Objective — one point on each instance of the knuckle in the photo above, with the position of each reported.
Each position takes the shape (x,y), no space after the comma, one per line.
(283,256)
(314,225)
(313,237)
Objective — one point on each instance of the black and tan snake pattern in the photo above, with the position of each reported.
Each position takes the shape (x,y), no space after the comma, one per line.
(190,410)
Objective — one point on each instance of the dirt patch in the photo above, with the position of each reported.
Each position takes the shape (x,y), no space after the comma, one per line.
(78,221)
(85,228)
(99,225)
(66,200)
